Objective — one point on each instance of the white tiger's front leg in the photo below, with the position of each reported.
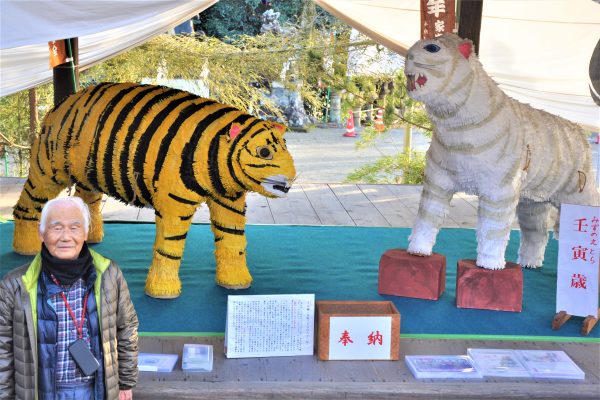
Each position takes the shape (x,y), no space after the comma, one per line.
(433,207)
(494,219)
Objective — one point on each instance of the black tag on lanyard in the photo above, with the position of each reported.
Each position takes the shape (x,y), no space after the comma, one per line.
(83,357)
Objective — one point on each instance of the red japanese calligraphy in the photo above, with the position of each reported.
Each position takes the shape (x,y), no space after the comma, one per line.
(579,253)
(345,339)
(578,281)
(375,337)
(581,225)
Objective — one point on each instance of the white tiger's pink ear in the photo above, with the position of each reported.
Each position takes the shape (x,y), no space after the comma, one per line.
(235,130)
(466,48)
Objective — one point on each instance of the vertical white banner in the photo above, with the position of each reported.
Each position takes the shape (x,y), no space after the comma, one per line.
(578,260)
(360,338)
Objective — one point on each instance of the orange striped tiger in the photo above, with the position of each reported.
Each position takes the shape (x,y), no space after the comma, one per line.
(164,148)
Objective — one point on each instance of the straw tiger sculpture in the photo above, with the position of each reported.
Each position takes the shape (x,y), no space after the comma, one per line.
(514,157)
(163,148)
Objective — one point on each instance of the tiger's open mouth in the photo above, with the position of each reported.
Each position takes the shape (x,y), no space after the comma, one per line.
(277,185)
(411,82)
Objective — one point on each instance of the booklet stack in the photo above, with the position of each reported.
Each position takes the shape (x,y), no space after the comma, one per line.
(197,357)
(152,362)
(551,364)
(443,367)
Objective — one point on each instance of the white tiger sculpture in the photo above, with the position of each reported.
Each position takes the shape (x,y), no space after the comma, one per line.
(514,157)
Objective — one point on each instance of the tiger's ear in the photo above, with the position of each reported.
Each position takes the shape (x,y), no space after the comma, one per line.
(279,127)
(235,130)
(466,48)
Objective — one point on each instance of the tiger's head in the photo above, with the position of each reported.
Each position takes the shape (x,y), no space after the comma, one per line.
(259,160)
(436,68)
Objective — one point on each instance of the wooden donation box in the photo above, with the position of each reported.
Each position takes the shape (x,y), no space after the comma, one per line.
(404,274)
(358,330)
(488,289)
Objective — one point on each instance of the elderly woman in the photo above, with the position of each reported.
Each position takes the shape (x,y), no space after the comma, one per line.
(68,328)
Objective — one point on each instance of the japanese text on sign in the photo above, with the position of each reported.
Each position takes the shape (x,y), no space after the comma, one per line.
(577,275)
(437,18)
(270,325)
(360,338)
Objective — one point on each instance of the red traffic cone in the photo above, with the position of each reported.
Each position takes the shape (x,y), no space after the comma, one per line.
(350,126)
(379,126)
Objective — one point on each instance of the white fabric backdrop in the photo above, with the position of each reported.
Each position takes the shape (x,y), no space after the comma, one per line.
(105,29)
(538,51)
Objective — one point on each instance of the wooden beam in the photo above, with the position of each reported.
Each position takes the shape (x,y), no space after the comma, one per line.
(66,75)
(469,24)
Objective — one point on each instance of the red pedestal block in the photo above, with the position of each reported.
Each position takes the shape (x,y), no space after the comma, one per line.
(403,274)
(488,289)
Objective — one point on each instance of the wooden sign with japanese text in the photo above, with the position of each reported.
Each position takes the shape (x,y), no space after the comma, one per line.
(57,53)
(578,260)
(360,338)
(270,325)
(437,17)
(358,330)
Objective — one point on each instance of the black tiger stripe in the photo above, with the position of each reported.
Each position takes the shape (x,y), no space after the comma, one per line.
(159,215)
(31,185)
(40,200)
(275,140)
(186,169)
(39,149)
(26,218)
(124,158)
(185,217)
(162,253)
(184,115)
(112,138)
(187,156)
(232,231)
(226,206)
(21,209)
(182,200)
(262,165)
(176,237)
(68,139)
(92,164)
(144,142)
(103,88)
(218,239)
(232,149)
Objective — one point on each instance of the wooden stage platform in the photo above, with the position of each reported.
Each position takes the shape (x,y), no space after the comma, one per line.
(306,377)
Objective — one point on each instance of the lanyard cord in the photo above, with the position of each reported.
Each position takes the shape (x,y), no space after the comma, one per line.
(79,328)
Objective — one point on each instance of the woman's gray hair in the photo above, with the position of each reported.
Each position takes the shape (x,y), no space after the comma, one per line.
(76,201)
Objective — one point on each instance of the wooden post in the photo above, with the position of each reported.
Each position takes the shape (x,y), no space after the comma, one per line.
(66,75)
(469,24)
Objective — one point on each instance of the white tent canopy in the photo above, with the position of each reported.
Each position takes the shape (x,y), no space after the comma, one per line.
(537,51)
(104,28)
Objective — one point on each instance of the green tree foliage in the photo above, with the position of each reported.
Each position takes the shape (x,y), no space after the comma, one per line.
(398,168)
(232,18)
(15,140)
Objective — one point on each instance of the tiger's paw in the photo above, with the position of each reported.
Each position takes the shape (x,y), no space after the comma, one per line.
(233,277)
(416,250)
(161,284)
(26,239)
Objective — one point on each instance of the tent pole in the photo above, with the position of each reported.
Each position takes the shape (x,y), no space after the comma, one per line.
(66,76)
(469,17)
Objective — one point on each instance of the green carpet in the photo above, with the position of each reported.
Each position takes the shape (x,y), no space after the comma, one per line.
(334,263)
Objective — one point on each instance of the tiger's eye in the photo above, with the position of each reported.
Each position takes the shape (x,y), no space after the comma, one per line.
(432,48)
(264,152)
